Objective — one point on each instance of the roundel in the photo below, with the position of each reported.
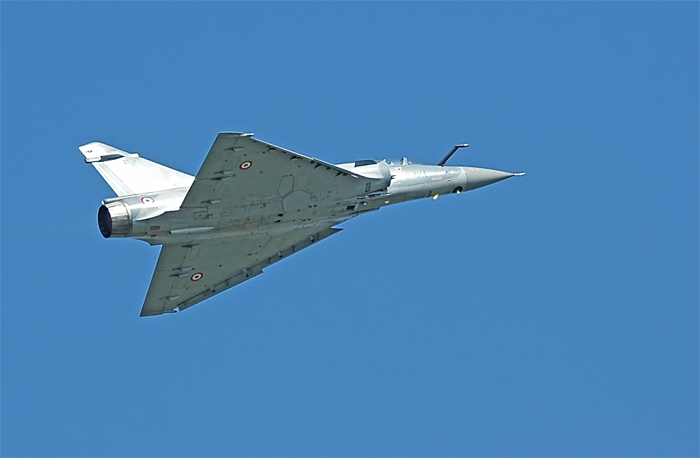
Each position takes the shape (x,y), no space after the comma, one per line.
(196,277)
(245,165)
(147,200)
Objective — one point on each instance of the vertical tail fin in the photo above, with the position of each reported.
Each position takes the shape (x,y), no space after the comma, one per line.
(130,174)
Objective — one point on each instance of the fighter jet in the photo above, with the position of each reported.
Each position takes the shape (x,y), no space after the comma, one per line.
(251,205)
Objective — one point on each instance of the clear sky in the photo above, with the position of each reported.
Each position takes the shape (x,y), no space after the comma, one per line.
(548,315)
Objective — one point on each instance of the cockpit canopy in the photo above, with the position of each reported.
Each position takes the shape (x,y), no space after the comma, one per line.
(397,161)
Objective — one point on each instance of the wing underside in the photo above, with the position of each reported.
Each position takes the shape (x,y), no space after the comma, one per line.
(189,273)
(274,194)
(240,169)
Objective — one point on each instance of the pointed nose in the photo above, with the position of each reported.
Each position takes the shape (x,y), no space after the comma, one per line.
(478,178)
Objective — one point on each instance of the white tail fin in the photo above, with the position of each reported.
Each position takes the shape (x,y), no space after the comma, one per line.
(130,174)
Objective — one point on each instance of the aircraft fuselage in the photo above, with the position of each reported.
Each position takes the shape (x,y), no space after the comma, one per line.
(156,219)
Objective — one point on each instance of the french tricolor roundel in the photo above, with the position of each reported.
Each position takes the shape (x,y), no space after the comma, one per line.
(196,277)
(147,200)
(245,165)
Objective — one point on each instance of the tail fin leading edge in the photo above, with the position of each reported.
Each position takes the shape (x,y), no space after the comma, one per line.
(129,174)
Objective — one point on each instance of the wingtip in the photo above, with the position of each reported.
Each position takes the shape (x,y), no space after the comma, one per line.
(156,312)
(238,134)
(519,174)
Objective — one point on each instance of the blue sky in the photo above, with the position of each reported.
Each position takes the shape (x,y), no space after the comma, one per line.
(554,314)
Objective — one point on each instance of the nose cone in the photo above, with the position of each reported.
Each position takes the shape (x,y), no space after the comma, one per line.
(478,178)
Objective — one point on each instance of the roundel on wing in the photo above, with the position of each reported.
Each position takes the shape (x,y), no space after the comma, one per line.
(245,165)
(196,277)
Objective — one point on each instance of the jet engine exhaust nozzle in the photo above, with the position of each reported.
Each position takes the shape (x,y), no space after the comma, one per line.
(114,220)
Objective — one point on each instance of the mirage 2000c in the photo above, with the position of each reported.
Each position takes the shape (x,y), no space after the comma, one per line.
(250,205)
